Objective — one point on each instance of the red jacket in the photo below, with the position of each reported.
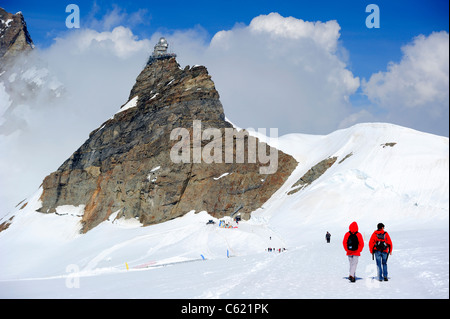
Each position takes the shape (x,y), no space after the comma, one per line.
(353,228)
(373,240)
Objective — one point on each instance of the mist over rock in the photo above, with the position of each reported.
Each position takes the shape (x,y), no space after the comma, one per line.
(125,166)
(25,80)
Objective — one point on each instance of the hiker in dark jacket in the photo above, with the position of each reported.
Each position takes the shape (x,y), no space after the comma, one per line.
(380,246)
(328,237)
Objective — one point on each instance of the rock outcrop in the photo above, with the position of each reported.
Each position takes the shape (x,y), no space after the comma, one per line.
(313,173)
(14,36)
(126,164)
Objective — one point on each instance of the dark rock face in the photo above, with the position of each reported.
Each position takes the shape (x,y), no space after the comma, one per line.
(312,174)
(14,36)
(126,165)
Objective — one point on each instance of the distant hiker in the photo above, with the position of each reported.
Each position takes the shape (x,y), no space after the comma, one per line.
(353,244)
(380,246)
(328,237)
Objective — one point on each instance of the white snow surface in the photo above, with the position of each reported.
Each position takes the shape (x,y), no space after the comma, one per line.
(405,186)
(223,175)
(130,104)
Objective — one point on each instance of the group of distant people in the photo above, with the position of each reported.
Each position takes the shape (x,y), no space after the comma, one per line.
(273,249)
(380,246)
(270,249)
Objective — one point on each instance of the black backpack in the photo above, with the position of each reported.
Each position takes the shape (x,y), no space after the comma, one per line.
(352,241)
(380,244)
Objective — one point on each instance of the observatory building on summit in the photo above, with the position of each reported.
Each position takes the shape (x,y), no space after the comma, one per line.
(161,47)
(160,51)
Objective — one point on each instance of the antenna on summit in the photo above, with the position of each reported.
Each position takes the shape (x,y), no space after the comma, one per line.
(160,51)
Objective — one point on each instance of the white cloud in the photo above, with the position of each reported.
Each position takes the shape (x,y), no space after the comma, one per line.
(278,72)
(361,116)
(324,34)
(415,91)
(5,102)
(119,42)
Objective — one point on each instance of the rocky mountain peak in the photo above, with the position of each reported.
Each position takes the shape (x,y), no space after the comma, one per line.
(128,166)
(164,82)
(14,36)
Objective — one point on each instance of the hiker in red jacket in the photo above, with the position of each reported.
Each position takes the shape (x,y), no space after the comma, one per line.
(353,244)
(380,246)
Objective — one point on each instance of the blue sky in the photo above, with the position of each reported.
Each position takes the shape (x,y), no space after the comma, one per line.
(370,49)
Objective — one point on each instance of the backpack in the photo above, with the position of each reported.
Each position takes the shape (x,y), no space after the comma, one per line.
(380,243)
(352,241)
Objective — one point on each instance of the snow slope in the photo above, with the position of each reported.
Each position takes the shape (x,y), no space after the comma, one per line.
(404,185)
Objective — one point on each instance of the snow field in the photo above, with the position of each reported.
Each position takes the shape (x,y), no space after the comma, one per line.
(315,270)
(405,186)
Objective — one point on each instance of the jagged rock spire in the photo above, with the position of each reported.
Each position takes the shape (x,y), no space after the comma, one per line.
(14,36)
(125,166)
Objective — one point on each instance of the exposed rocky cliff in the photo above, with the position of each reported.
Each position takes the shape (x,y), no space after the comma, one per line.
(14,36)
(126,163)
(314,173)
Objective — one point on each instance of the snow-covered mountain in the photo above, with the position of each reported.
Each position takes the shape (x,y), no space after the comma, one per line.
(379,173)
